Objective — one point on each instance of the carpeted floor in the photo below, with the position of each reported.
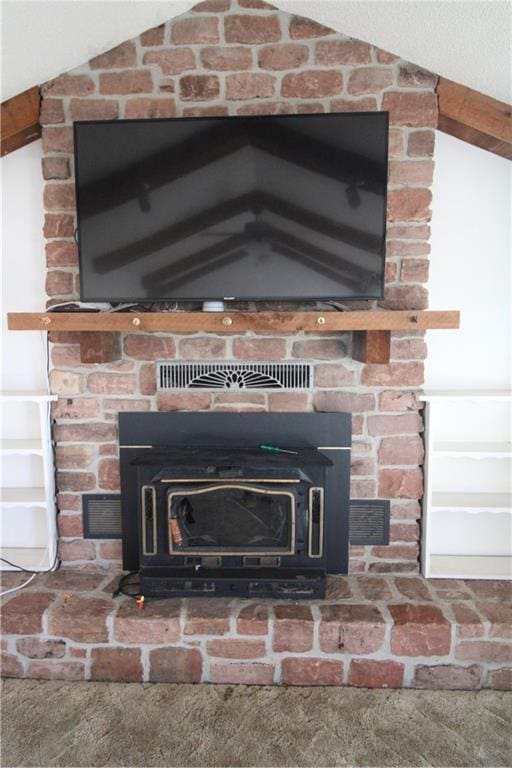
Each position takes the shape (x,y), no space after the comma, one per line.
(113,724)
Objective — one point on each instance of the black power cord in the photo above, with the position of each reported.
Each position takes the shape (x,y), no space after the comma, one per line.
(123,588)
(28,570)
(123,582)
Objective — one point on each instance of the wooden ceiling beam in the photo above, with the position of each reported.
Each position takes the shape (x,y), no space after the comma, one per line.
(20,120)
(475,118)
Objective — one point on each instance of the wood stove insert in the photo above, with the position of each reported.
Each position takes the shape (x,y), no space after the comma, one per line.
(205,511)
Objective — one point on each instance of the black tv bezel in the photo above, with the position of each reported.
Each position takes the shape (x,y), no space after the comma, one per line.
(226,118)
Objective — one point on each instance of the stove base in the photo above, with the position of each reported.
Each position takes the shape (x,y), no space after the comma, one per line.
(246,582)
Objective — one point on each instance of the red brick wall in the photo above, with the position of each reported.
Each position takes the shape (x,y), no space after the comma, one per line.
(244,57)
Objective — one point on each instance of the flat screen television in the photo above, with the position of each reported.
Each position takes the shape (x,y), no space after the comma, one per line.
(252,208)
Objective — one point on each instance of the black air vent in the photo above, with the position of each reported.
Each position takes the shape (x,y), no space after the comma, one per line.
(102,515)
(369,521)
(234,376)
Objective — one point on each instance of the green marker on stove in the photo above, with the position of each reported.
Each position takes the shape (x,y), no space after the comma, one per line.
(274,449)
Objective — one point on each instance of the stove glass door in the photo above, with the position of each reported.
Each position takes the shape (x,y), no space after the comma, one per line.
(237,519)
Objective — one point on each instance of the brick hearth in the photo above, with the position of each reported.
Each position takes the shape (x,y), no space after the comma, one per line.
(371,631)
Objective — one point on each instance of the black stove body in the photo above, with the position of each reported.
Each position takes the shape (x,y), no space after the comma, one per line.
(207,512)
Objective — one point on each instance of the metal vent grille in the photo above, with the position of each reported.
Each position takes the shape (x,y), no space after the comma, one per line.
(283,376)
(369,521)
(102,516)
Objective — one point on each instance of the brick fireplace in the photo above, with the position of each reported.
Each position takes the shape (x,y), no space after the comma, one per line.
(241,58)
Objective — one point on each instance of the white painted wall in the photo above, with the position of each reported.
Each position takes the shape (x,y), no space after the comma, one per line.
(470,268)
(467,41)
(23,265)
(23,277)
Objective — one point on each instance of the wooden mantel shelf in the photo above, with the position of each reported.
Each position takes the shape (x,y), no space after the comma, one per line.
(100,342)
(232,322)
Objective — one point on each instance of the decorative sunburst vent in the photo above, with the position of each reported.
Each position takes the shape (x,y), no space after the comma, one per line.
(283,376)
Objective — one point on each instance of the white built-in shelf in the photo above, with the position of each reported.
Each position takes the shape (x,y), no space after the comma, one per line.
(496,395)
(474,450)
(21,447)
(23,497)
(36,501)
(472,502)
(28,557)
(467,504)
(34,396)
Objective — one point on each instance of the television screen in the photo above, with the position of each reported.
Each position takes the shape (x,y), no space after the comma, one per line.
(274,207)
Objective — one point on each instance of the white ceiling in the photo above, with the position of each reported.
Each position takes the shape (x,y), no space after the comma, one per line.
(465,40)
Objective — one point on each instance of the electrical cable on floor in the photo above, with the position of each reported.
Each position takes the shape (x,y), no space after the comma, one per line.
(20,569)
(45,338)
(20,586)
(123,582)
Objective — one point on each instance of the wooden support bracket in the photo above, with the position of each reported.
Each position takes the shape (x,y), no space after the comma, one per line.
(104,347)
(371,346)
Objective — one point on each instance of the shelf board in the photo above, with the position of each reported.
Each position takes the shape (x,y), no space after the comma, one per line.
(474,450)
(21,447)
(28,557)
(497,395)
(23,497)
(470,567)
(36,396)
(472,502)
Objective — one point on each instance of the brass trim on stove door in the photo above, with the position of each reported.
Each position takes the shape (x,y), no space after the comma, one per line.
(145,488)
(320,552)
(198,480)
(228,552)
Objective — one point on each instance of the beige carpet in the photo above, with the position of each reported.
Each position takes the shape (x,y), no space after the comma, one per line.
(113,724)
